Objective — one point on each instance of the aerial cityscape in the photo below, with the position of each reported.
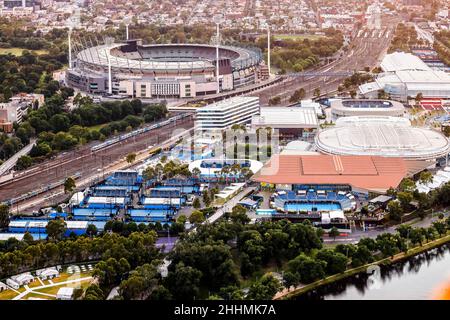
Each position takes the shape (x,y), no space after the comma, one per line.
(186,150)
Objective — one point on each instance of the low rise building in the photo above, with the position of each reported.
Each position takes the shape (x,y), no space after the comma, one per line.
(291,122)
(224,114)
(20,280)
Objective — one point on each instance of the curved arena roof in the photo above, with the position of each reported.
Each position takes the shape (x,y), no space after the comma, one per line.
(383,139)
(353,107)
(154,57)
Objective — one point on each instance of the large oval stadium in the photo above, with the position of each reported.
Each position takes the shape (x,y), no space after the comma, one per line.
(163,70)
(393,137)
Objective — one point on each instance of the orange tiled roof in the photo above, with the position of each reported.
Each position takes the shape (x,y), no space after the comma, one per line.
(372,173)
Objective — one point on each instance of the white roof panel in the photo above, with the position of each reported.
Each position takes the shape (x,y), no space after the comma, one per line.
(402,61)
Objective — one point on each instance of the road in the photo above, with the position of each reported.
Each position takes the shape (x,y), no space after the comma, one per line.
(8,164)
(356,235)
(366,50)
(85,162)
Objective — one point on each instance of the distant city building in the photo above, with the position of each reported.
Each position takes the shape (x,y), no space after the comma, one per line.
(223,114)
(18,3)
(17,107)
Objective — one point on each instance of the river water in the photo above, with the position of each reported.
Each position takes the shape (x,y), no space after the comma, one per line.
(425,276)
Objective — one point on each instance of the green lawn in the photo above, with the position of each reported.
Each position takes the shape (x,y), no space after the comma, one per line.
(54,290)
(98,127)
(18,51)
(65,276)
(7,294)
(37,295)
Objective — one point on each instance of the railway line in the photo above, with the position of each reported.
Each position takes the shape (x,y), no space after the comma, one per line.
(365,50)
(86,162)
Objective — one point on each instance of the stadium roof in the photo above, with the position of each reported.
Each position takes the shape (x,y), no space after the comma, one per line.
(398,61)
(383,139)
(287,117)
(376,174)
(110,53)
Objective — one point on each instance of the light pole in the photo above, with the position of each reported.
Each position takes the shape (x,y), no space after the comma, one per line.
(127,22)
(70,46)
(217,20)
(268,49)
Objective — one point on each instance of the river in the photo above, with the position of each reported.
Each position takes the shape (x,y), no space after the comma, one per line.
(421,277)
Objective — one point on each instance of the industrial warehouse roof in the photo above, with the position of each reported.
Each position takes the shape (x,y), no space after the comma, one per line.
(225,105)
(375,174)
(286,117)
(383,138)
(398,61)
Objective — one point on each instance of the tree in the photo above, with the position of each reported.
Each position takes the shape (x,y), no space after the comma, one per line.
(56,229)
(131,157)
(395,210)
(24,162)
(404,230)
(196,203)
(141,283)
(416,236)
(361,256)
(148,173)
(418,98)
(405,198)
(69,185)
(275,100)
(297,95)
(196,217)
(91,230)
(239,214)
(184,282)
(316,92)
(4,215)
(336,261)
(206,198)
(196,172)
(290,279)
(28,238)
(426,177)
(306,268)
(182,219)
(334,232)
(264,289)
(407,184)
(93,292)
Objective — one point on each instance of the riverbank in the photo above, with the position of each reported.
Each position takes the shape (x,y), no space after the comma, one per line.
(287,294)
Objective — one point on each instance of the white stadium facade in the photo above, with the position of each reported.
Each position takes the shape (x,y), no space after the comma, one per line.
(132,69)
(364,107)
(405,75)
(382,136)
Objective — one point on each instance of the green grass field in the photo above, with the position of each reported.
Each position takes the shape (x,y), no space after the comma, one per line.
(98,127)
(18,51)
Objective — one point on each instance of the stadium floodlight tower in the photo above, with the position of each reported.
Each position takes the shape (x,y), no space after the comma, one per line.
(127,22)
(268,49)
(218,19)
(71,25)
(108,43)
